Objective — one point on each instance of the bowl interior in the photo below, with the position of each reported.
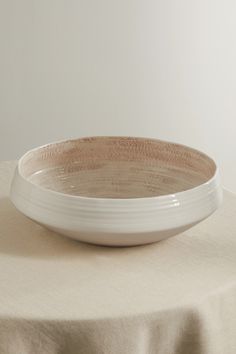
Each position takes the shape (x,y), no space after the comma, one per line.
(117,167)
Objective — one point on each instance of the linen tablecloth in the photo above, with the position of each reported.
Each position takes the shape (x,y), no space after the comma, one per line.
(59,296)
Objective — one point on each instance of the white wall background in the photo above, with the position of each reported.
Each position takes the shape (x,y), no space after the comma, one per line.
(164,69)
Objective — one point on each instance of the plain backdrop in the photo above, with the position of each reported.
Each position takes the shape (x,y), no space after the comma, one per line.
(164,69)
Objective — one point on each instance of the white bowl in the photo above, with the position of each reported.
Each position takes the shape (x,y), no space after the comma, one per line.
(117,191)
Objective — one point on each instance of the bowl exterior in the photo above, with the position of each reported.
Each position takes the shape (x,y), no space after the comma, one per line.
(116,222)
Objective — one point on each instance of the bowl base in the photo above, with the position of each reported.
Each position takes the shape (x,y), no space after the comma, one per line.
(120,239)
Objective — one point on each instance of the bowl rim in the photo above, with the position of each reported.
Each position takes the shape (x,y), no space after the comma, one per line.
(197,188)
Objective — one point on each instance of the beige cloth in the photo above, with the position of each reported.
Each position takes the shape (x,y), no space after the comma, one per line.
(59,296)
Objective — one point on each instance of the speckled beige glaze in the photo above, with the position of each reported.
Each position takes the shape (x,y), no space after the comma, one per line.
(117,167)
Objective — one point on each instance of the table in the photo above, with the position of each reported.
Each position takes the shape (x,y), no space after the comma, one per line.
(59,296)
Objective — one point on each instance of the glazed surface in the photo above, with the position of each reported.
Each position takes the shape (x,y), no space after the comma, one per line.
(117,167)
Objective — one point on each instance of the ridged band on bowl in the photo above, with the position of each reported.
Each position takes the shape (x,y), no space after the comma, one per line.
(116,215)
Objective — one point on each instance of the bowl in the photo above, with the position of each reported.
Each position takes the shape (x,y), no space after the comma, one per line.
(116,191)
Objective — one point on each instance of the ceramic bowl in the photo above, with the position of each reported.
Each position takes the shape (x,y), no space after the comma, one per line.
(117,191)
